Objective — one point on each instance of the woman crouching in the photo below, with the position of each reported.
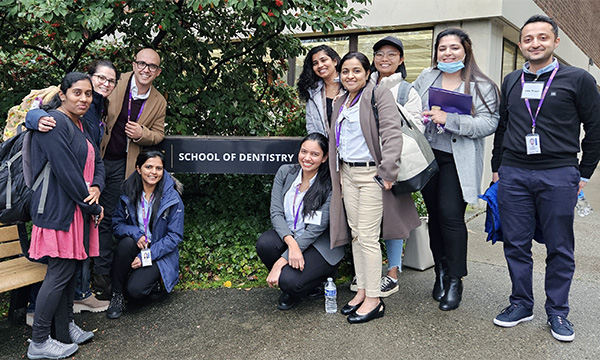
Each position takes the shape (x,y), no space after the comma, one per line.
(298,252)
(148,224)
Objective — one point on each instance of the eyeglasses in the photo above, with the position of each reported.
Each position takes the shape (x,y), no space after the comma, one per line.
(390,55)
(141,65)
(103,79)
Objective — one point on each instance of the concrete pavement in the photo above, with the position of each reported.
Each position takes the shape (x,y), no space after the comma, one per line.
(244,324)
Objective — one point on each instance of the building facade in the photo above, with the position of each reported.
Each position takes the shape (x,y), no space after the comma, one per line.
(493,26)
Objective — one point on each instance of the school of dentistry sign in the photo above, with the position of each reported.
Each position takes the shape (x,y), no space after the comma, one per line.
(228,155)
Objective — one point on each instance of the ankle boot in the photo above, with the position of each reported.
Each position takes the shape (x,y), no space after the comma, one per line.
(453,295)
(438,287)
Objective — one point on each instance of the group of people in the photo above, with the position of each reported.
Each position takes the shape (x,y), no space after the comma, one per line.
(317,208)
(102,185)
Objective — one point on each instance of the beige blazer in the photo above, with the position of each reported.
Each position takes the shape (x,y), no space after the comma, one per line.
(152,120)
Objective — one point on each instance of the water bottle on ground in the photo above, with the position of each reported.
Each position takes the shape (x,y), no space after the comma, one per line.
(583,206)
(330,297)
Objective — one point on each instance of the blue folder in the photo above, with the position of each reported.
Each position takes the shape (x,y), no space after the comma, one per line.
(450,101)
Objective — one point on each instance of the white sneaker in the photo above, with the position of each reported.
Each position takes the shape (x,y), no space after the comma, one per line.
(78,335)
(354,285)
(90,304)
(50,349)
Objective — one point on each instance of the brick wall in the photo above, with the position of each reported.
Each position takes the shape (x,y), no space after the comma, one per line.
(580,20)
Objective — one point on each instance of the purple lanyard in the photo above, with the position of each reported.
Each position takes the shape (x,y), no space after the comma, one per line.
(129,109)
(534,118)
(146,214)
(295,211)
(338,127)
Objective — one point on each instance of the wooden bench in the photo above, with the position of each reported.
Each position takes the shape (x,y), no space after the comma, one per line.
(16,271)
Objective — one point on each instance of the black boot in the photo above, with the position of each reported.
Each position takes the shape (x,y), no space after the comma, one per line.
(438,287)
(453,296)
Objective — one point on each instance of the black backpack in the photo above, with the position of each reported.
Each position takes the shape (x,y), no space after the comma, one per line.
(16,179)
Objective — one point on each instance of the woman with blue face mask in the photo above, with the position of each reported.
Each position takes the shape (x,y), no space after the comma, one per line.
(458,143)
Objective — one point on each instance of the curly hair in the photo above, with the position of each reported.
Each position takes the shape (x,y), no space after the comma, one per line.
(308,79)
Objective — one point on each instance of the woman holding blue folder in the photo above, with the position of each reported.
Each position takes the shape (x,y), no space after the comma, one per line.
(457,139)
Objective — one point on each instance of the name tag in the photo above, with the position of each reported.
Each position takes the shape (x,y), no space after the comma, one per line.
(146,258)
(533,144)
(315,219)
(532,90)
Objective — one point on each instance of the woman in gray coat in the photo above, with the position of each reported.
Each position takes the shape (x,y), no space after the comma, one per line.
(297,251)
(458,144)
(319,86)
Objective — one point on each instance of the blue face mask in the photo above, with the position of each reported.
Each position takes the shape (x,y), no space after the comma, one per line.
(450,68)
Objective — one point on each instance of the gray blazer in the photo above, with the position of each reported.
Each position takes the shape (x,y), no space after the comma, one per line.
(316,119)
(468,132)
(315,235)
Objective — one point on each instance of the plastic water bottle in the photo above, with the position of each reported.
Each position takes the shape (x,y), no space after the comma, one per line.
(330,297)
(583,206)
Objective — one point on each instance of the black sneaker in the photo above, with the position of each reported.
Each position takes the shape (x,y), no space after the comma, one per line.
(512,315)
(116,307)
(388,286)
(561,328)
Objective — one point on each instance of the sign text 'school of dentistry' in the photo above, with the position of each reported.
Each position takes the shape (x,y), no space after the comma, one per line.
(228,155)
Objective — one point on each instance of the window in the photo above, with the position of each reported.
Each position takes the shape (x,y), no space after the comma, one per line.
(512,59)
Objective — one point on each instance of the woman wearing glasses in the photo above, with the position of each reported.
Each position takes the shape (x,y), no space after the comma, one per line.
(388,70)
(104,77)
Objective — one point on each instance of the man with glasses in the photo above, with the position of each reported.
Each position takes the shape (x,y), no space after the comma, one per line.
(136,117)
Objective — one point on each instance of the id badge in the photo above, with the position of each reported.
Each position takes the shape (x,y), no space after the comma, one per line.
(532,141)
(532,90)
(146,258)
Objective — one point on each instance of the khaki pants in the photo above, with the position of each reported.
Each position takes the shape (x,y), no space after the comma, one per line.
(364,209)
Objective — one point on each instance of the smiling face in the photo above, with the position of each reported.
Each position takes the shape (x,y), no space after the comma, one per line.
(144,76)
(104,80)
(323,65)
(354,76)
(450,49)
(387,59)
(151,172)
(311,156)
(77,100)
(538,43)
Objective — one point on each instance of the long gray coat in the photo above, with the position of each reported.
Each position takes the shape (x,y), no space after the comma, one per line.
(468,132)
(315,235)
(399,213)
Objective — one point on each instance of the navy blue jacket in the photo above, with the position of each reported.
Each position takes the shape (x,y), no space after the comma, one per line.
(167,229)
(66,186)
(93,118)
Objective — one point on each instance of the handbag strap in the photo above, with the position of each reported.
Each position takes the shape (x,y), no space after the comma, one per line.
(403,119)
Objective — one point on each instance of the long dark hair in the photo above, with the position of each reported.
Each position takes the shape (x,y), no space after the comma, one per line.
(92,70)
(65,84)
(133,186)
(308,79)
(317,193)
(471,72)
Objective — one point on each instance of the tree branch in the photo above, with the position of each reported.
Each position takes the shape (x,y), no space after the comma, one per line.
(96,36)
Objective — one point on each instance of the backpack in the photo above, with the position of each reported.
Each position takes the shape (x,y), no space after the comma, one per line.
(16,179)
(17,113)
(403,90)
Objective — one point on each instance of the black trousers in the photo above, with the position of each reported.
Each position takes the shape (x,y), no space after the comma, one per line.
(446,207)
(292,281)
(59,279)
(138,282)
(113,177)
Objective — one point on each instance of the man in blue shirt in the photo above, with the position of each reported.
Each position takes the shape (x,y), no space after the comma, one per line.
(535,157)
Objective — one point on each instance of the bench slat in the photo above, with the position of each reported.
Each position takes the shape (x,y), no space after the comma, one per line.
(10,249)
(20,272)
(9,233)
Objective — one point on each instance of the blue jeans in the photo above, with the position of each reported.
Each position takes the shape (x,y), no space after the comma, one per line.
(394,253)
